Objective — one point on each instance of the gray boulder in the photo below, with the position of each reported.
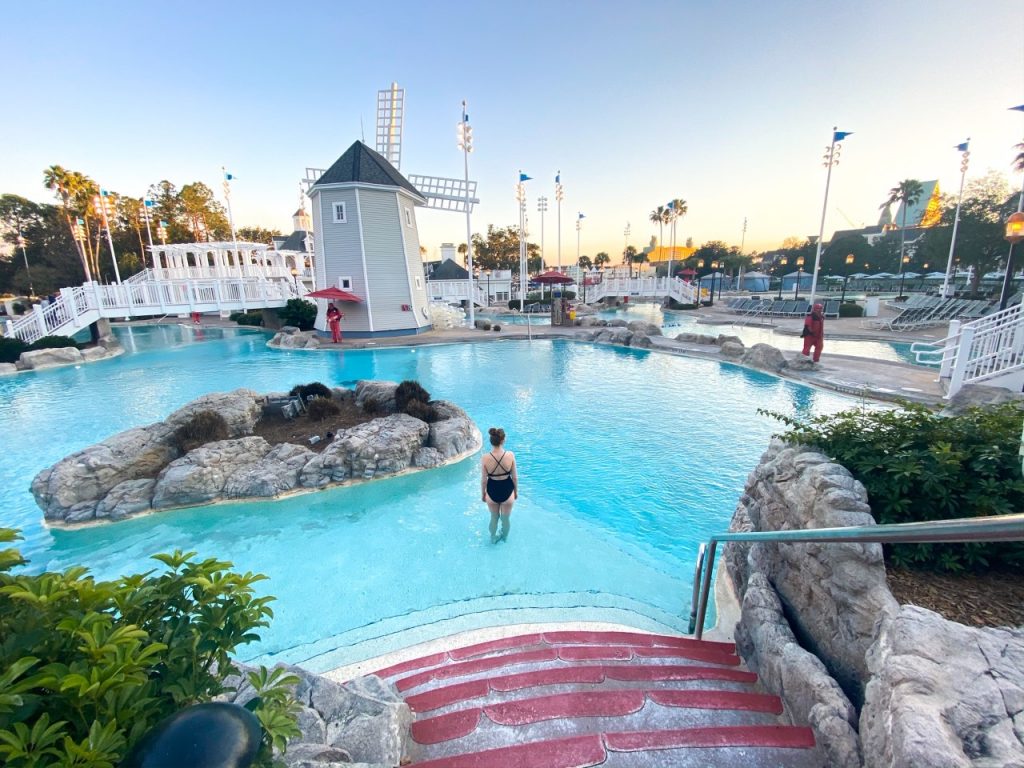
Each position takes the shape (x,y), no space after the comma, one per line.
(454,433)
(291,337)
(592,322)
(376,396)
(800,363)
(765,357)
(640,340)
(8,368)
(722,339)
(614,335)
(382,445)
(978,394)
(834,593)
(696,338)
(276,473)
(202,475)
(731,349)
(50,358)
(125,499)
(617,323)
(942,694)
(241,409)
(639,326)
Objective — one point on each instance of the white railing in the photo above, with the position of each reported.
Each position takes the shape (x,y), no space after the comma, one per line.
(643,287)
(78,307)
(454,291)
(986,349)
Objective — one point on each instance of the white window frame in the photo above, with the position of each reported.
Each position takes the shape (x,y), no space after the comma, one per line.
(408,216)
(345,283)
(343,219)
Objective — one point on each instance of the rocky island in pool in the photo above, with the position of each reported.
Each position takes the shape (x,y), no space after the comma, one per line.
(160,466)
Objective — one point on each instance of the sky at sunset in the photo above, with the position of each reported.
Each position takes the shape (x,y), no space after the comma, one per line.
(727,105)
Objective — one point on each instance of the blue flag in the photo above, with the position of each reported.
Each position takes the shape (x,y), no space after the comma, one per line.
(524,177)
(558,178)
(962,147)
(1019,109)
(148,203)
(840,135)
(581,216)
(228,176)
(670,204)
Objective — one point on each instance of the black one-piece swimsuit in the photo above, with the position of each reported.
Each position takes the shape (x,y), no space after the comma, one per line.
(500,489)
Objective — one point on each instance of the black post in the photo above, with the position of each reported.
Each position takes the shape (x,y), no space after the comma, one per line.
(782,279)
(902,274)
(843,297)
(1004,294)
(799,274)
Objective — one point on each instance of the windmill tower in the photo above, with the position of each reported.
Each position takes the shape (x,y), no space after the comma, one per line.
(365,230)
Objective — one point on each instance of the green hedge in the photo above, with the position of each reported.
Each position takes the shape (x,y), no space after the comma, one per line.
(88,667)
(850,309)
(248,318)
(919,465)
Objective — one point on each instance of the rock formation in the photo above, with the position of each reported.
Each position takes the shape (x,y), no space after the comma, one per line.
(145,469)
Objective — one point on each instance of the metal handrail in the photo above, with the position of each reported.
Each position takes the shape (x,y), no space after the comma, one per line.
(959,531)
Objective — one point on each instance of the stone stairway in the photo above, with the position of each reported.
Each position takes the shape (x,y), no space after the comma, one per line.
(572,699)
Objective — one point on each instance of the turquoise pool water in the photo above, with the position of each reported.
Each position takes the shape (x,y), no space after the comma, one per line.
(628,459)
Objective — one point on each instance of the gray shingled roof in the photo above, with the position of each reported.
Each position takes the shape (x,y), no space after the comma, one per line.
(362,165)
(296,241)
(449,270)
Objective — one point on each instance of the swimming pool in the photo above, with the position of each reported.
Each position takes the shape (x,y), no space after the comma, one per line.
(627,459)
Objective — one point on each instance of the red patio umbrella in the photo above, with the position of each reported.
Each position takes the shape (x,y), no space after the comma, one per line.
(334,294)
(552,277)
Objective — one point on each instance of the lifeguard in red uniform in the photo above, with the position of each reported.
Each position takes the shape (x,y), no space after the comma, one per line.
(814,331)
(334,316)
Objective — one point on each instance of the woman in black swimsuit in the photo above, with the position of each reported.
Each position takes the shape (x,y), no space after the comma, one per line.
(499,483)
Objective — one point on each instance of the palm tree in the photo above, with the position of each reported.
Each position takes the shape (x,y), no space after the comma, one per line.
(658,216)
(1018,161)
(56,178)
(601,259)
(584,262)
(678,207)
(907,192)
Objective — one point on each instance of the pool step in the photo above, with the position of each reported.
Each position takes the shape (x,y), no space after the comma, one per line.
(575,699)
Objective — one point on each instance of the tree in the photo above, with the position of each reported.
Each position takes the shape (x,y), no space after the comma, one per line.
(1018,161)
(677,209)
(500,249)
(601,259)
(258,235)
(206,217)
(55,178)
(906,192)
(658,216)
(584,262)
(629,256)
(833,258)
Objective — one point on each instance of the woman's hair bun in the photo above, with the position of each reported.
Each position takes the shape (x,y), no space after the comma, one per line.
(497,435)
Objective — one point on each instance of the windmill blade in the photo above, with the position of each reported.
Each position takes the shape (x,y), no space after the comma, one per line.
(390,110)
(446,194)
(312,174)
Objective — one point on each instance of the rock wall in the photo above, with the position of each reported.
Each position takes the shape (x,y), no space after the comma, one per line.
(144,469)
(930,692)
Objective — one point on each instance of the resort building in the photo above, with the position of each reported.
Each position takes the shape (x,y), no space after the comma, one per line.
(367,243)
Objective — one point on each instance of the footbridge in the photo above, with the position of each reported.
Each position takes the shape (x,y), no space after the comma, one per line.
(146,295)
(657,288)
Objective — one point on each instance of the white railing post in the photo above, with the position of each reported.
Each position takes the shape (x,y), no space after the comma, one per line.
(947,360)
(963,355)
(37,314)
(67,298)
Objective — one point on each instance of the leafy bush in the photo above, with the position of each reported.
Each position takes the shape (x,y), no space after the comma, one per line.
(313,389)
(88,667)
(201,428)
(495,327)
(11,349)
(407,391)
(52,342)
(298,312)
(321,408)
(249,318)
(850,309)
(420,410)
(19,308)
(918,465)
(233,317)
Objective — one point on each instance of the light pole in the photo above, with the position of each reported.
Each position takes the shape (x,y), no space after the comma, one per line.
(521,197)
(146,205)
(831,159)
(782,278)
(964,158)
(161,232)
(542,207)
(465,143)
(799,276)
(849,260)
(80,239)
(488,273)
(104,203)
(1014,234)
(579,225)
(559,194)
(625,252)
(21,244)
(295,279)
(903,268)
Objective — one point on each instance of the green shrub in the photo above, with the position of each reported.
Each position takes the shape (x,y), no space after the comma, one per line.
(52,342)
(321,408)
(495,327)
(201,428)
(298,312)
(249,318)
(11,349)
(850,309)
(19,308)
(88,667)
(233,317)
(407,391)
(919,465)
(313,389)
(421,410)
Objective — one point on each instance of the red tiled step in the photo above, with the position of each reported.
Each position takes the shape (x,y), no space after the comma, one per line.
(449,694)
(632,638)
(494,645)
(645,673)
(749,702)
(585,704)
(453,725)
(720,736)
(575,752)
(477,665)
(625,653)
(595,653)
(405,666)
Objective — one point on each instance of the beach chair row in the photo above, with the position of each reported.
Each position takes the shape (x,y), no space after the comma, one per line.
(935,311)
(778,307)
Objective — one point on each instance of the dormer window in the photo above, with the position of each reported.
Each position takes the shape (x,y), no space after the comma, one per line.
(340,216)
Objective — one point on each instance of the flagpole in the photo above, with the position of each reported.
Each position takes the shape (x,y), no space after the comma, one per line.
(231,219)
(466,144)
(559,194)
(956,218)
(831,158)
